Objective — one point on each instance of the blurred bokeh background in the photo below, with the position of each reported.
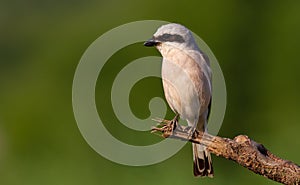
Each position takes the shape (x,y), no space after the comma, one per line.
(41,43)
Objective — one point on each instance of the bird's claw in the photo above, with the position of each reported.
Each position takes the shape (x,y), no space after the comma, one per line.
(167,127)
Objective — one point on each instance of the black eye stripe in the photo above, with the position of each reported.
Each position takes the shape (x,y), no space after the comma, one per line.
(170,38)
(166,36)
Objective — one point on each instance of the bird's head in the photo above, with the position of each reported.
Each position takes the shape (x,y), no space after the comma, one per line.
(172,35)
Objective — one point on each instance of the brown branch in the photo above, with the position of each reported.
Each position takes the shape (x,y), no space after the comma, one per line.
(242,150)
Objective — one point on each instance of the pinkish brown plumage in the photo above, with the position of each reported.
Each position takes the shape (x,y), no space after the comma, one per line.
(186,78)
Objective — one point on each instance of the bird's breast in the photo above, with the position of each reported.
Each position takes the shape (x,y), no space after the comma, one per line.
(185,84)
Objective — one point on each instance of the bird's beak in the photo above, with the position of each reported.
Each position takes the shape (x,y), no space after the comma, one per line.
(150,43)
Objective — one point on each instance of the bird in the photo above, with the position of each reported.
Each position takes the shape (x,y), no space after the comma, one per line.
(187,84)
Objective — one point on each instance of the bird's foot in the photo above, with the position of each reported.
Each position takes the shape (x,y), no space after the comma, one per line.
(191,131)
(167,127)
(195,134)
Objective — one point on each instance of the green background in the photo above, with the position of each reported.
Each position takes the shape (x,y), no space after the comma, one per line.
(41,43)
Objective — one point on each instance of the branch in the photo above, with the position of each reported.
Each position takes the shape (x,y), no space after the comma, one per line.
(241,149)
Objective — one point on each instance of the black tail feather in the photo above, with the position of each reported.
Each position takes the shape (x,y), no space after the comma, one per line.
(202,162)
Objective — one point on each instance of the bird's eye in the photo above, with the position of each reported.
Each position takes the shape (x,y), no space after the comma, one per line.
(166,36)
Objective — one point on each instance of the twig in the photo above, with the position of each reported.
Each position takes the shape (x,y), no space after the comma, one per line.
(244,151)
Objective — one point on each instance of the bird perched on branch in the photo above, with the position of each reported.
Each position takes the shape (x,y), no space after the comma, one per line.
(186,76)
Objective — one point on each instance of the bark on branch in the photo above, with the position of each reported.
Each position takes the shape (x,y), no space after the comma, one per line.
(243,150)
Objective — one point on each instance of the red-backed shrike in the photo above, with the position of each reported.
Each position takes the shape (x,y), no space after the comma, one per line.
(186,76)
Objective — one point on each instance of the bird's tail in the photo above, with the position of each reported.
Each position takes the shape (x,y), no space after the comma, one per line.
(202,161)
